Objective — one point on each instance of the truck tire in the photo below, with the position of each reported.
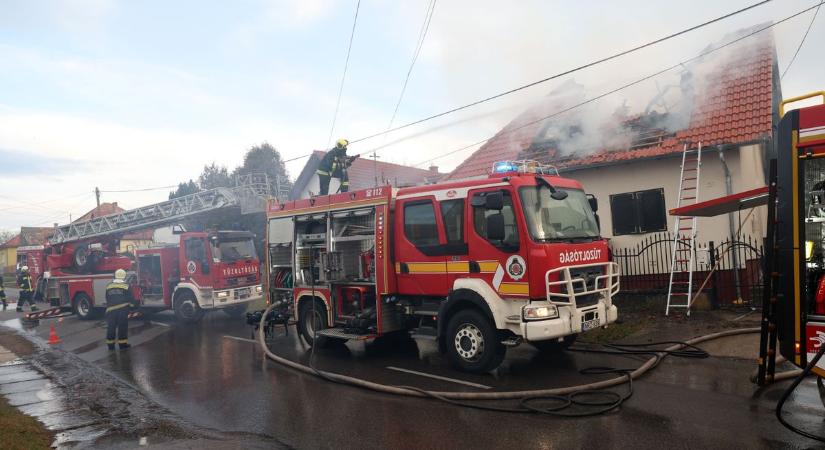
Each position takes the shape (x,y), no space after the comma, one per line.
(472,342)
(307,326)
(235,310)
(82,259)
(187,309)
(551,346)
(83,307)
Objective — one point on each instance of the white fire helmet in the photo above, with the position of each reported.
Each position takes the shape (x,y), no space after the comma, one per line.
(120,274)
(25,268)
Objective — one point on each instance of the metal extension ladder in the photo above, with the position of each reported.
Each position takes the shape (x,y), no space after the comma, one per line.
(683,256)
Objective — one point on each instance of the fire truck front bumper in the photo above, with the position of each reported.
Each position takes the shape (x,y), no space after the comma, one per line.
(580,298)
(230,297)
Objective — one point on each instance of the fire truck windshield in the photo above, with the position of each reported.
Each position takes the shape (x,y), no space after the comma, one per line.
(233,250)
(549,219)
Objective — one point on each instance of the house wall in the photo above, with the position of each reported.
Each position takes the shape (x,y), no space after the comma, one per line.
(132,244)
(744,163)
(8,259)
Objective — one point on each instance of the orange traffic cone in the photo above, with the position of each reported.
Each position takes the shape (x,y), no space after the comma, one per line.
(53,339)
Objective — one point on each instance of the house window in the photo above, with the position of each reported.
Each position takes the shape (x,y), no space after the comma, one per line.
(638,212)
(419,224)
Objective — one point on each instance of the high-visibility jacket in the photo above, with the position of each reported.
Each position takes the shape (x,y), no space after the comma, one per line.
(334,164)
(24,282)
(118,295)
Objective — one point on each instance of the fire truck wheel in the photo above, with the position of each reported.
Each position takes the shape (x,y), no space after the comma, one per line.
(473,343)
(554,346)
(83,307)
(187,309)
(235,311)
(309,323)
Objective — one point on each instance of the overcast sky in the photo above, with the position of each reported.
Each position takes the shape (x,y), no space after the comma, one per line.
(132,95)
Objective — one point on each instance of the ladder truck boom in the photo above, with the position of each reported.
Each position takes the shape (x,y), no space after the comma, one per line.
(164,213)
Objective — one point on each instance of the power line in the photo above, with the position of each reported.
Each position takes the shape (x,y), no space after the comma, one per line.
(24,205)
(141,190)
(344,75)
(552,77)
(422,36)
(800,43)
(625,86)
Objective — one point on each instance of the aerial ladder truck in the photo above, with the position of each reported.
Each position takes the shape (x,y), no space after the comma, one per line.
(196,272)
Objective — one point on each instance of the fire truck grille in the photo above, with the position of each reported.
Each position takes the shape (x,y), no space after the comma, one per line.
(589,275)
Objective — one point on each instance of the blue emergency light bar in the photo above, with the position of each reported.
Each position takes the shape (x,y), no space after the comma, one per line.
(526,166)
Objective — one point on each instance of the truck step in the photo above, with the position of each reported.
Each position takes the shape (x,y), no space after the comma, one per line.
(428,333)
(339,333)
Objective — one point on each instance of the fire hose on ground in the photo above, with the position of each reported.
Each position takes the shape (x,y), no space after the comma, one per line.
(583,395)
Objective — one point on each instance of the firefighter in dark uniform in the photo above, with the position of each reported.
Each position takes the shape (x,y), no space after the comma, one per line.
(118,303)
(24,282)
(3,294)
(334,165)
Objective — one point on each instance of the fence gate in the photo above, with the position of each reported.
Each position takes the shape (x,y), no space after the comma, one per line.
(737,280)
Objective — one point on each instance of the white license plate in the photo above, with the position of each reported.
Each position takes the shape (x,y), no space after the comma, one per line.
(244,293)
(590,324)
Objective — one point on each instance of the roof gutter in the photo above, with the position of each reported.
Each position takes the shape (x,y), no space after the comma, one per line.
(656,157)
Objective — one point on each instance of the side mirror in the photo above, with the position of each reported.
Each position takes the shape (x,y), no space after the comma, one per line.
(495,227)
(594,204)
(494,201)
(598,222)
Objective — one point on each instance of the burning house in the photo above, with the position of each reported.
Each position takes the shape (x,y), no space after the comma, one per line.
(727,101)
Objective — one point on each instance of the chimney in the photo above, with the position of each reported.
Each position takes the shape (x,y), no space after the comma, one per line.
(433,169)
(114,206)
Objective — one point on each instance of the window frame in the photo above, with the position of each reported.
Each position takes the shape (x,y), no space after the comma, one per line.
(419,245)
(639,225)
(514,204)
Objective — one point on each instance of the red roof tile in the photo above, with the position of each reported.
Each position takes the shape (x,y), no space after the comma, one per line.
(104,209)
(740,110)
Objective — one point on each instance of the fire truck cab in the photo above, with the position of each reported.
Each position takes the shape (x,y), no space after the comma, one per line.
(478,265)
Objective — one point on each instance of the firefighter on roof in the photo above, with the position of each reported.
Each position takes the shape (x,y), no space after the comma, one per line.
(334,165)
(24,282)
(118,302)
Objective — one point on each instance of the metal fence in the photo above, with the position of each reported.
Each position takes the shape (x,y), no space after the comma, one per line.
(645,268)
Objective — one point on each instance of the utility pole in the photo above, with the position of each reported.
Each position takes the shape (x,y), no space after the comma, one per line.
(375,167)
(97,196)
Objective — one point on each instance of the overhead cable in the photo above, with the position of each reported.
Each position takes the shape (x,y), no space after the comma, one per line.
(551,77)
(344,75)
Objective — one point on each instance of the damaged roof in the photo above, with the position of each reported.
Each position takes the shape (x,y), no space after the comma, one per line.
(740,110)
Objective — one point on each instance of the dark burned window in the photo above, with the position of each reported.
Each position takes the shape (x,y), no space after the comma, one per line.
(419,223)
(452,213)
(638,212)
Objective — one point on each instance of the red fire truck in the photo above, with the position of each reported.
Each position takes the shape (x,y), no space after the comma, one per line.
(478,265)
(200,271)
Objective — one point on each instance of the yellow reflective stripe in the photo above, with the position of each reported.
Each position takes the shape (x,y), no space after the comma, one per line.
(110,341)
(514,288)
(488,266)
(123,341)
(115,307)
(458,266)
(117,286)
(427,267)
(322,172)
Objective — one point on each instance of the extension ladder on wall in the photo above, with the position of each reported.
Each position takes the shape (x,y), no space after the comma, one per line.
(683,256)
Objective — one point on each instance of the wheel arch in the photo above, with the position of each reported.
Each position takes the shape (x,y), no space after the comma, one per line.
(304,296)
(457,300)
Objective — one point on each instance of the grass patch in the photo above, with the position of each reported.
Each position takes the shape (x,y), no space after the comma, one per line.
(21,432)
(613,332)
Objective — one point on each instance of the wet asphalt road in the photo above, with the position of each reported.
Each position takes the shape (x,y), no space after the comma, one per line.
(211,374)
